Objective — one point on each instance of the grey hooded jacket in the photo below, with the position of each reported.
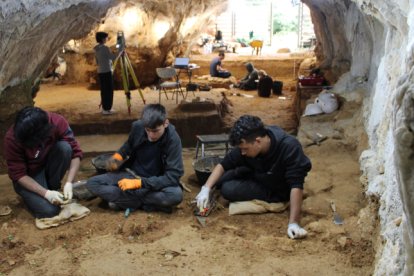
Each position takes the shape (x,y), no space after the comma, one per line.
(171,156)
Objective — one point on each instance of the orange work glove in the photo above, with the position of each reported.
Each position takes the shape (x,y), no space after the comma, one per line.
(129,184)
(114,162)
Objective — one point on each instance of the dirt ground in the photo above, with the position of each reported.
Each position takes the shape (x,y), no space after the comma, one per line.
(105,243)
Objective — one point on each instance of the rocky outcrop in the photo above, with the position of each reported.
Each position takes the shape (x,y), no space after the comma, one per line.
(32,32)
(344,39)
(155,32)
(403,128)
(364,45)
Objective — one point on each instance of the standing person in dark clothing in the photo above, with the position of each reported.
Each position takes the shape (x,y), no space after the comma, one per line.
(249,81)
(39,148)
(153,152)
(216,70)
(266,164)
(104,58)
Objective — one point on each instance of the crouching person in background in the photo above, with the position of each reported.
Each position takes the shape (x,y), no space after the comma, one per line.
(249,81)
(145,172)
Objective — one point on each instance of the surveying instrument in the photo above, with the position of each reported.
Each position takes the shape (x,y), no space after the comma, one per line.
(127,71)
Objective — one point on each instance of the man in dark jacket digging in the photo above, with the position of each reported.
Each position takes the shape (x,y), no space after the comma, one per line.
(145,171)
(266,164)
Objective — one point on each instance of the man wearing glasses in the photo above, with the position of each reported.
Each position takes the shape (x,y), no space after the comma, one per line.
(145,172)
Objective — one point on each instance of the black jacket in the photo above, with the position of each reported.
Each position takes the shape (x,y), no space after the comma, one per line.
(264,86)
(171,158)
(249,81)
(284,167)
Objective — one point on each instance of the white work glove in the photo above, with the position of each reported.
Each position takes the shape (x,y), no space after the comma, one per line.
(202,197)
(54,197)
(295,231)
(68,191)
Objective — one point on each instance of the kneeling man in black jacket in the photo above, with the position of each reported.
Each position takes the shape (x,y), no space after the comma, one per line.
(265,164)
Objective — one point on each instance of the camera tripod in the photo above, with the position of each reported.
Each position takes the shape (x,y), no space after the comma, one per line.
(126,72)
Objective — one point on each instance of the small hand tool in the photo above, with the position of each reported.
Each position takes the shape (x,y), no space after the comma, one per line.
(336,217)
(132,173)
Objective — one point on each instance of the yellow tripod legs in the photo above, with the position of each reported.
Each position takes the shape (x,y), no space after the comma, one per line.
(126,71)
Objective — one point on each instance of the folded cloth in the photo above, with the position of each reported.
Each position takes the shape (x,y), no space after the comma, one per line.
(256,207)
(5,210)
(69,212)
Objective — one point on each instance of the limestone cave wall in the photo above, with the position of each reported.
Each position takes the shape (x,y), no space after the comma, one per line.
(386,117)
(155,32)
(367,46)
(344,38)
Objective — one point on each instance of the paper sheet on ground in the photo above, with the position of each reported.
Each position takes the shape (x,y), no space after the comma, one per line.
(256,207)
(5,210)
(69,212)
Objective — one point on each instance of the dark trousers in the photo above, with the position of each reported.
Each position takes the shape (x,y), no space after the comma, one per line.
(235,188)
(106,187)
(247,85)
(58,162)
(106,83)
(264,88)
(223,74)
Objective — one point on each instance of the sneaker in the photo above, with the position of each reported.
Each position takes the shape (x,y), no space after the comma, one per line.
(113,206)
(108,112)
(81,192)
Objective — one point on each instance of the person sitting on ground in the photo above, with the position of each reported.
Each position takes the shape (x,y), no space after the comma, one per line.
(216,70)
(39,148)
(104,58)
(265,84)
(153,153)
(266,164)
(249,81)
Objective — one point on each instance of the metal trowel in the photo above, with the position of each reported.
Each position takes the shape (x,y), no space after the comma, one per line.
(202,214)
(202,220)
(336,217)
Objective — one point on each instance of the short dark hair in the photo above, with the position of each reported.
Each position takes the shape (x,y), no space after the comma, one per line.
(31,126)
(100,36)
(249,66)
(247,127)
(153,115)
(221,54)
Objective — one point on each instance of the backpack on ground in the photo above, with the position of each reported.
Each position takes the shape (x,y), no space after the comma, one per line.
(277,87)
(264,86)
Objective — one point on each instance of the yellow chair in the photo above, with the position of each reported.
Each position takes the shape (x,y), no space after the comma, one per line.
(256,45)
